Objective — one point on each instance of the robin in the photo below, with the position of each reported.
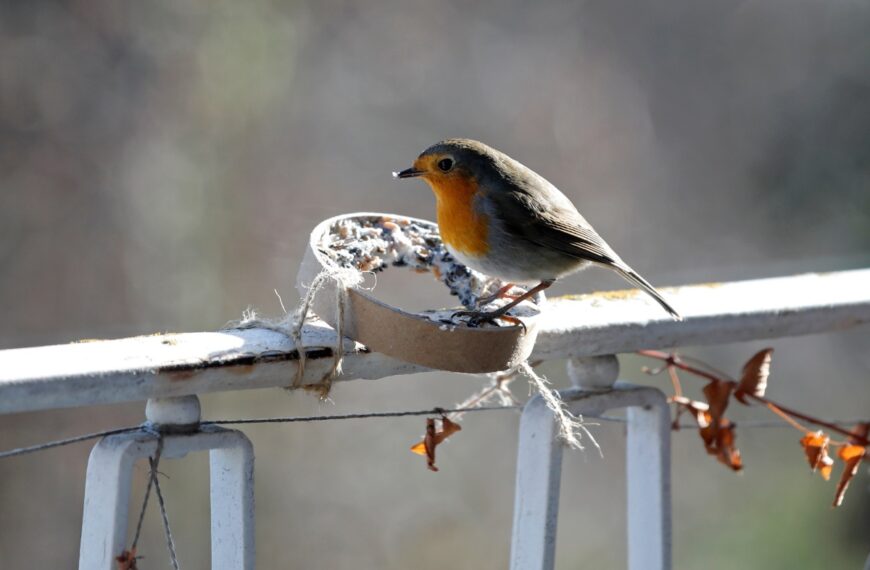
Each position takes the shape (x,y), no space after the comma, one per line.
(503,219)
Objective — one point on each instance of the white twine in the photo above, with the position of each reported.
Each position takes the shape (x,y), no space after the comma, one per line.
(344,280)
(570,425)
(293,324)
(299,321)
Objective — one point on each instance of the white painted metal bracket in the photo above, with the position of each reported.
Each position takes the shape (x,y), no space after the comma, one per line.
(539,468)
(109,479)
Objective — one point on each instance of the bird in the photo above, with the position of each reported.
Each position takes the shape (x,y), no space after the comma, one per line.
(503,219)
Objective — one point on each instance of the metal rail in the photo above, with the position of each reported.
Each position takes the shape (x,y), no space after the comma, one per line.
(167,365)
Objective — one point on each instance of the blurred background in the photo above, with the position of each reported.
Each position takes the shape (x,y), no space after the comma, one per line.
(162,163)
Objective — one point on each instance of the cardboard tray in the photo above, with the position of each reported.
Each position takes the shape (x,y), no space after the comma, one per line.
(407,336)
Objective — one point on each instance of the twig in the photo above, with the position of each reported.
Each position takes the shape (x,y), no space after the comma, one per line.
(674,360)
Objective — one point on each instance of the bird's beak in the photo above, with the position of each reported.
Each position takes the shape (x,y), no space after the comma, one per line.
(408,173)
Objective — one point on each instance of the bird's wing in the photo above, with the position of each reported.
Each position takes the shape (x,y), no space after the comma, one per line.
(545,217)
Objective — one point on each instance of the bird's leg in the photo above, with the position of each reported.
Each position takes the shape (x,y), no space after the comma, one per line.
(478,317)
(514,321)
(500,294)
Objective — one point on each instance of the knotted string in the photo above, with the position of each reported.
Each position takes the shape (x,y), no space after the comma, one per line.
(292,324)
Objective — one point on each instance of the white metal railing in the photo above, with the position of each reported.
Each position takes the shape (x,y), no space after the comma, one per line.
(170,369)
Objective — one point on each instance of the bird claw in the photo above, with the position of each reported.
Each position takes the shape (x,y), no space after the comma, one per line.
(502,293)
(515,321)
(477,318)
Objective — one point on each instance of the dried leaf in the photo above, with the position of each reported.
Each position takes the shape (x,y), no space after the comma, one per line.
(448,428)
(698,410)
(728,454)
(753,380)
(717,393)
(720,442)
(428,444)
(851,456)
(433,438)
(708,434)
(718,437)
(127,560)
(815,445)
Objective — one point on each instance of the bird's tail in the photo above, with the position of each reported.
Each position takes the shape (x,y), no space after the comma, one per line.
(629,274)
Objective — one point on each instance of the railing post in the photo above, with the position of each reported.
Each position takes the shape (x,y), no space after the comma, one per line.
(536,506)
(232,505)
(648,473)
(648,468)
(110,471)
(107,497)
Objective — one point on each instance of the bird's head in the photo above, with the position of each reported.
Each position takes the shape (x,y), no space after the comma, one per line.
(452,165)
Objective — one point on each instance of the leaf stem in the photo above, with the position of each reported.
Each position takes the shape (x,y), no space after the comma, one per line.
(673,360)
(775,409)
(675,380)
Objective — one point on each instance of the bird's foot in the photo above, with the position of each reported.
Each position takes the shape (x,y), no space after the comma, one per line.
(515,321)
(477,318)
(502,293)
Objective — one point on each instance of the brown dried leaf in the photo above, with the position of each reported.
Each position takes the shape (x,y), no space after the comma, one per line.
(753,380)
(448,428)
(708,434)
(851,455)
(427,446)
(433,438)
(127,560)
(719,441)
(718,437)
(815,445)
(717,393)
(728,454)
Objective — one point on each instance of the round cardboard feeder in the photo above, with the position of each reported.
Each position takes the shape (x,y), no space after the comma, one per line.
(407,336)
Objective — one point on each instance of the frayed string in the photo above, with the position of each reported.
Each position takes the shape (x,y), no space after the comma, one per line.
(497,390)
(293,324)
(570,425)
(344,279)
(299,318)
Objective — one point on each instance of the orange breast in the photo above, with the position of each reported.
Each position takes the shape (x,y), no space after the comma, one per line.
(462,229)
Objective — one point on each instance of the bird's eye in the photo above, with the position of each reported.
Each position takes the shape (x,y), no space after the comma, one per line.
(445,164)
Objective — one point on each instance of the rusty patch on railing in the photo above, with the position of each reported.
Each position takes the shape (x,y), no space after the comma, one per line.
(241,363)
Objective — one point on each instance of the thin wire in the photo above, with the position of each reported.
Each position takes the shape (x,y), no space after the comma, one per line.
(288,419)
(68,441)
(293,419)
(145,500)
(170,542)
(367,415)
